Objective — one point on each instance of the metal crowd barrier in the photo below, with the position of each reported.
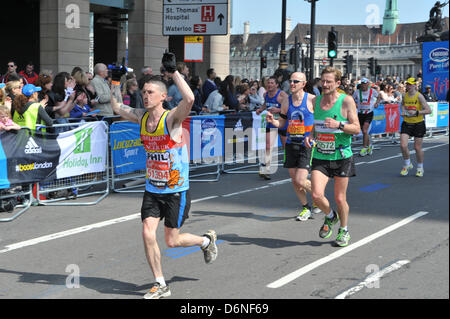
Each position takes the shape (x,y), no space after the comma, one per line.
(53,192)
(17,197)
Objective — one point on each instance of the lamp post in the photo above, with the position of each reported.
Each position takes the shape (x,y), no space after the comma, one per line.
(307,66)
(313,38)
(283,54)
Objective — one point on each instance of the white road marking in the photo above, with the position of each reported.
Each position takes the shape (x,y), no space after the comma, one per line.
(372,278)
(342,251)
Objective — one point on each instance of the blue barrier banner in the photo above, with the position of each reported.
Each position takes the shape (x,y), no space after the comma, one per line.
(207,138)
(378,125)
(435,67)
(442,115)
(126,147)
(4,182)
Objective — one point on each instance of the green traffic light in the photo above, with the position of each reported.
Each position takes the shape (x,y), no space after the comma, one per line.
(332,54)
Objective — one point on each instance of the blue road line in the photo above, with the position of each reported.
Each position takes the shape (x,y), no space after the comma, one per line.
(175,253)
(373,188)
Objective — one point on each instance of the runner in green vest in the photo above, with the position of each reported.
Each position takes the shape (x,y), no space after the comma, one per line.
(335,121)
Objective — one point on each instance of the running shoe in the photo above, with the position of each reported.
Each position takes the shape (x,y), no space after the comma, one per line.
(419,172)
(265,176)
(405,170)
(210,251)
(363,152)
(370,150)
(157,292)
(304,214)
(326,229)
(315,209)
(342,238)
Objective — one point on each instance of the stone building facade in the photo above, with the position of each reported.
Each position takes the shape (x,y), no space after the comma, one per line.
(398,54)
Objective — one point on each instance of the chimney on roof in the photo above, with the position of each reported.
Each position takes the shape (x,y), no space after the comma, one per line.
(246,32)
(288,26)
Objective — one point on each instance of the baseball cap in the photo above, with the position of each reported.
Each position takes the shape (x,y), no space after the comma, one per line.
(2,85)
(428,86)
(364,80)
(29,89)
(411,81)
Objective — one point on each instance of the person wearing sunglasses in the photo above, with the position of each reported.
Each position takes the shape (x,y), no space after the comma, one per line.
(12,69)
(297,111)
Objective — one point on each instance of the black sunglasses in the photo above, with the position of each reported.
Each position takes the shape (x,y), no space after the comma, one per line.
(295,81)
(11,66)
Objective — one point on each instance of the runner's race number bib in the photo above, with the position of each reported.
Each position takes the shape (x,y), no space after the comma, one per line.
(326,143)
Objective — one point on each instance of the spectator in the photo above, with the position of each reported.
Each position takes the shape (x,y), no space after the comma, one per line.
(61,97)
(263,87)
(102,89)
(243,91)
(209,84)
(45,82)
(255,99)
(12,68)
(215,101)
(283,76)
(227,90)
(196,87)
(81,108)
(27,111)
(173,95)
(131,95)
(82,84)
(387,95)
(147,73)
(428,95)
(184,70)
(316,87)
(6,123)
(12,89)
(29,74)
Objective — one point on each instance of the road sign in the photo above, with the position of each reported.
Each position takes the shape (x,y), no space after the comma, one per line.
(195,17)
(324,61)
(193,48)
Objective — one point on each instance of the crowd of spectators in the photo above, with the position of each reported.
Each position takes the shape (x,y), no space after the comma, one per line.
(65,97)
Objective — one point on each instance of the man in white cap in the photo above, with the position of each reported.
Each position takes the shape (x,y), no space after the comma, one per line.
(366,100)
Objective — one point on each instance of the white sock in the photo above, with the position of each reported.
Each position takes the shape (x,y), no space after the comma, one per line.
(420,165)
(407,162)
(161,281)
(345,228)
(206,242)
(331,215)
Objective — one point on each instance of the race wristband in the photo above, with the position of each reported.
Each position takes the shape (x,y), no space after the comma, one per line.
(283,116)
(115,83)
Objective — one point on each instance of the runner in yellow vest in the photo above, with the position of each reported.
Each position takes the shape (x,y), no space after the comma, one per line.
(414,107)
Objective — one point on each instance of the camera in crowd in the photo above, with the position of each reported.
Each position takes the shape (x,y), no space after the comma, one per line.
(118,70)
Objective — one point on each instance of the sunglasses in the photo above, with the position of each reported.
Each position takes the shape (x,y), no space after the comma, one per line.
(295,81)
(10,66)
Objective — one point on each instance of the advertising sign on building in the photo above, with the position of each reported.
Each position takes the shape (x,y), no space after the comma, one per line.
(435,60)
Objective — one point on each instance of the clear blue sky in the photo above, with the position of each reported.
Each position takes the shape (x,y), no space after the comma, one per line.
(265,15)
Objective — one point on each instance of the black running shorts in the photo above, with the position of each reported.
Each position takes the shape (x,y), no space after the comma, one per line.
(173,207)
(339,168)
(363,118)
(297,156)
(414,129)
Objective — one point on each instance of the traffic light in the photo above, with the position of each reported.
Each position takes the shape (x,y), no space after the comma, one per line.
(377,68)
(332,43)
(348,63)
(292,56)
(371,66)
(263,62)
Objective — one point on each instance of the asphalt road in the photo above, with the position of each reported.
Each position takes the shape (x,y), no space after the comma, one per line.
(399,246)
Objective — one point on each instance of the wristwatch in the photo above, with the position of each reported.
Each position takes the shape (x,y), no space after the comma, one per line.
(341,126)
